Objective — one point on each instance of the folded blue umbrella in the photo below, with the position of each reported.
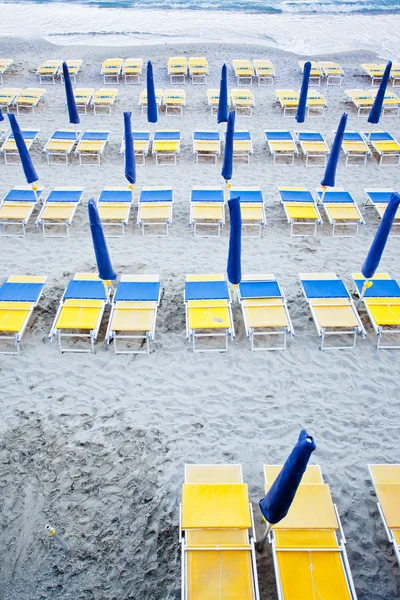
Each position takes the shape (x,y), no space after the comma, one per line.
(130,163)
(69,92)
(278,500)
(302,106)
(1,115)
(227,167)
(328,179)
(378,245)
(152,110)
(223,97)
(26,161)
(376,109)
(106,272)
(234,268)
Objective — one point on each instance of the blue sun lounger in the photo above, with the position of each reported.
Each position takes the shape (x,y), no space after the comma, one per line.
(252,207)
(134,312)
(155,207)
(355,146)
(80,311)
(206,144)
(331,307)
(313,145)
(264,310)
(141,144)
(379,199)
(61,143)
(207,208)
(166,144)
(300,209)
(17,207)
(385,146)
(59,209)
(92,143)
(9,147)
(281,144)
(341,209)
(18,298)
(114,205)
(208,311)
(242,145)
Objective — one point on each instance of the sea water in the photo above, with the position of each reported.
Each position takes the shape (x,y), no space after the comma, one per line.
(300,26)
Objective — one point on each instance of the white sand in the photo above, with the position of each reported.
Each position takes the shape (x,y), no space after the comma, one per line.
(95,444)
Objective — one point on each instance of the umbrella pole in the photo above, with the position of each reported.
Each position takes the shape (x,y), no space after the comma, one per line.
(323,193)
(260,544)
(34,189)
(367,284)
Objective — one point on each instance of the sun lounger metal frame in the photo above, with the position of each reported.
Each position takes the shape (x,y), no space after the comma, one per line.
(58,198)
(67,138)
(135,77)
(26,197)
(29,135)
(307,138)
(347,199)
(27,305)
(307,200)
(390,533)
(207,198)
(323,332)
(251,197)
(272,292)
(92,138)
(53,66)
(281,144)
(118,70)
(146,302)
(245,66)
(36,94)
(155,196)
(204,138)
(5,65)
(121,197)
(84,100)
(380,205)
(355,146)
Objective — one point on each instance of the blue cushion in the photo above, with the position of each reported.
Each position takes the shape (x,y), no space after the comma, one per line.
(325,288)
(207,196)
(380,288)
(155,196)
(296,196)
(20,292)
(259,289)
(206,290)
(137,291)
(85,290)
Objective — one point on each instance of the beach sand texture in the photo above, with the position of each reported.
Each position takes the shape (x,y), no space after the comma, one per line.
(95,445)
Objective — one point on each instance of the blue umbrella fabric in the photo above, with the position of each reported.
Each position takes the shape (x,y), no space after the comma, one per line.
(106,272)
(223,97)
(278,500)
(375,113)
(152,110)
(69,92)
(227,167)
(302,106)
(378,245)
(234,268)
(26,161)
(1,115)
(130,163)
(329,177)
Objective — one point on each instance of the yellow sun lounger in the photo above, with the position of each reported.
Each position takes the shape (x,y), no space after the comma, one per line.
(252,209)
(61,143)
(16,209)
(59,209)
(174,100)
(155,208)
(104,98)
(308,545)
(141,144)
(386,480)
(289,101)
(313,146)
(92,143)
(111,70)
(206,144)
(281,144)
(49,70)
(83,98)
(332,308)
(385,146)
(29,98)
(316,72)
(5,64)
(74,67)
(243,102)
(213,100)
(134,313)
(9,147)
(80,312)
(391,103)
(166,144)
(362,99)
(19,297)
(243,71)
(218,557)
(242,145)
(207,209)
(354,146)
(264,311)
(132,70)
(341,209)
(114,205)
(379,199)
(382,303)
(375,72)
(198,69)
(7,97)
(300,208)
(208,311)
(332,72)
(143,99)
(264,70)
(177,69)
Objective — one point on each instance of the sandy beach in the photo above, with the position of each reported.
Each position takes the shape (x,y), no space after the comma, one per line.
(95,445)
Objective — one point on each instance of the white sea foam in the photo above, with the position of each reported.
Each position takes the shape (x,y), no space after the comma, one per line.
(310,34)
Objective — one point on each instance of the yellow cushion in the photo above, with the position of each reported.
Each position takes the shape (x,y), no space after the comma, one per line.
(16,210)
(208,315)
(133,316)
(315,147)
(60,145)
(301,210)
(342,212)
(114,211)
(58,211)
(13,315)
(91,146)
(155,211)
(205,506)
(207,146)
(252,211)
(208,212)
(388,314)
(170,146)
(335,316)
(265,316)
(80,314)
(355,147)
(299,538)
